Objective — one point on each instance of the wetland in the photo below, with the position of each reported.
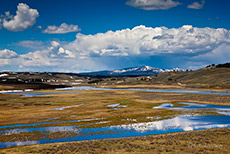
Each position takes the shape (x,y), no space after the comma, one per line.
(89,113)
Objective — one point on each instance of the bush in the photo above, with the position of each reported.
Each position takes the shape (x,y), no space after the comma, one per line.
(227,65)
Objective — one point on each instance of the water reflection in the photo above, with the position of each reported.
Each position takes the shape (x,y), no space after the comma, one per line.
(46,123)
(183,91)
(66,107)
(26,94)
(13,144)
(186,123)
(221,109)
(117,105)
(76,133)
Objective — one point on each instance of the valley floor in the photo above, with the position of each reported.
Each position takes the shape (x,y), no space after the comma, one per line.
(92,106)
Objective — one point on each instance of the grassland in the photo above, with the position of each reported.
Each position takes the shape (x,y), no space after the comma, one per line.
(16,109)
(194,142)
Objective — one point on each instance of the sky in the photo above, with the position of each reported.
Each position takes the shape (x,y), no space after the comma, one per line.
(92,35)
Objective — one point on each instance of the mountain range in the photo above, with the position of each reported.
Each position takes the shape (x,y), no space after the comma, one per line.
(131,71)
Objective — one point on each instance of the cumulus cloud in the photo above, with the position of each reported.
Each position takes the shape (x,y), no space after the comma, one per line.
(62,29)
(36,58)
(25,18)
(118,48)
(56,51)
(143,40)
(7,54)
(7,57)
(51,56)
(220,54)
(153,4)
(197,5)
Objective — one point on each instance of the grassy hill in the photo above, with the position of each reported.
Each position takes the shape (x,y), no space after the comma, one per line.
(210,77)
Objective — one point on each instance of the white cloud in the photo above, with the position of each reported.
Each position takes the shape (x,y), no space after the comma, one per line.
(62,29)
(37,59)
(153,4)
(196,5)
(56,51)
(143,40)
(7,54)
(25,18)
(220,54)
(185,45)
(51,56)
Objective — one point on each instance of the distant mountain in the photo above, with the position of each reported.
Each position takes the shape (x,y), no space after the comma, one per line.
(132,71)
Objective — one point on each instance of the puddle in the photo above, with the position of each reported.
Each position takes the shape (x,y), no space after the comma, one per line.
(33,94)
(193,106)
(224,113)
(183,91)
(221,109)
(118,105)
(75,133)
(66,107)
(164,106)
(45,123)
(11,91)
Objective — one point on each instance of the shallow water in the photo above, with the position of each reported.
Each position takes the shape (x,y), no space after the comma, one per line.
(220,109)
(26,94)
(118,105)
(156,126)
(75,133)
(66,107)
(183,91)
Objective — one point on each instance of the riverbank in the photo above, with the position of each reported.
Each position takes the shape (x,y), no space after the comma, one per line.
(201,141)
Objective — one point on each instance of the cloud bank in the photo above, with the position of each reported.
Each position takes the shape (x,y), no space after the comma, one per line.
(184,46)
(62,29)
(147,41)
(25,18)
(153,4)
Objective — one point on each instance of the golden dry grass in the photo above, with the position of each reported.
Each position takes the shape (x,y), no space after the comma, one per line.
(16,109)
(202,141)
(19,109)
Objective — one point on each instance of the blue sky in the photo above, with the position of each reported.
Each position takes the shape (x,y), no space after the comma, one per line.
(90,35)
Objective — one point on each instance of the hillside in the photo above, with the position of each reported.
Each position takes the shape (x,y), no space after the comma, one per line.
(210,77)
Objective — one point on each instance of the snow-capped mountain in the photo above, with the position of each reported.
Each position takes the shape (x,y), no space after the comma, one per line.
(133,71)
(143,70)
